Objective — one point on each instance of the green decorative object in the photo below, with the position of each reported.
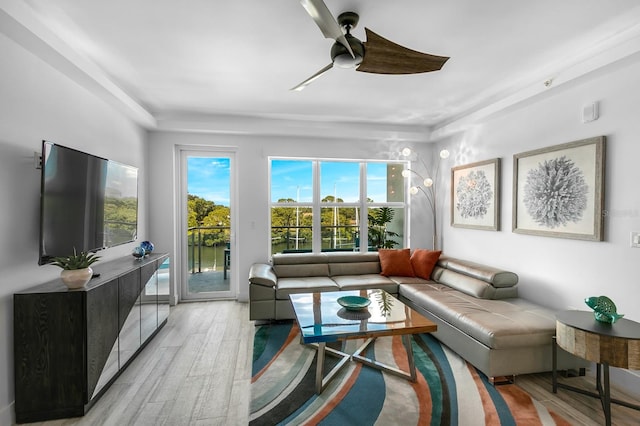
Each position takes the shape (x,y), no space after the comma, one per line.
(603,309)
(353,303)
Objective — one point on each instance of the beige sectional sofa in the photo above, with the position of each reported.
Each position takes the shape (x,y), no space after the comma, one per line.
(476,307)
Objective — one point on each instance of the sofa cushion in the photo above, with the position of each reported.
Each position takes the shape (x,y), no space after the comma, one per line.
(354,268)
(298,258)
(366,281)
(498,324)
(396,262)
(287,286)
(423,261)
(302,270)
(496,277)
(474,286)
(351,257)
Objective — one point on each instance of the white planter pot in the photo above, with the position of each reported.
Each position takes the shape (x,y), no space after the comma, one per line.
(76,278)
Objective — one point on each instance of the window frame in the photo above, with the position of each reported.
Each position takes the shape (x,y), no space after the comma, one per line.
(362,205)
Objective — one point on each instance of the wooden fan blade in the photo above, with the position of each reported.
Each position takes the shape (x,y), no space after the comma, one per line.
(311,79)
(382,56)
(330,28)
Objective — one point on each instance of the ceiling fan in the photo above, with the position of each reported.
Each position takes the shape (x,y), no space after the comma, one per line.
(376,55)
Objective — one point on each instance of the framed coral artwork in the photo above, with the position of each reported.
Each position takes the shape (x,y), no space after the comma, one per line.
(559,191)
(475,195)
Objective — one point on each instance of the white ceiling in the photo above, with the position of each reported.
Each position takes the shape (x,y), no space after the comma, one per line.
(241,57)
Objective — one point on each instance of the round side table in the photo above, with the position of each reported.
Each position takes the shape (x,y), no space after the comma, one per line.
(615,345)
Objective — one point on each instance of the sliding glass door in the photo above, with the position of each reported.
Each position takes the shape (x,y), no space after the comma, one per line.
(207,234)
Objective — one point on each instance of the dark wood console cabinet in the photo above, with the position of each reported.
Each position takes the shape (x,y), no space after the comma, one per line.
(70,345)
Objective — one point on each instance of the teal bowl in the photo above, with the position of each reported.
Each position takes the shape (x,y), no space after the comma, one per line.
(353,303)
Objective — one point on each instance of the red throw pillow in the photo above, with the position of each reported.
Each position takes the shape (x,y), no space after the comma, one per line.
(396,263)
(423,262)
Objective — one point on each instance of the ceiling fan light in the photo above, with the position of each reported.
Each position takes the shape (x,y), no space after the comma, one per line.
(346,61)
(342,58)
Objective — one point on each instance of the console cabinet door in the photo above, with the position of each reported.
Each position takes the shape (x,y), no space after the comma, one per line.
(129,315)
(164,292)
(148,301)
(48,354)
(102,337)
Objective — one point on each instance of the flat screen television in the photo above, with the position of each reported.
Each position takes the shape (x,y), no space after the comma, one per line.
(87,203)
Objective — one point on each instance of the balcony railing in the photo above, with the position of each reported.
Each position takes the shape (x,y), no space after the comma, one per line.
(291,239)
(208,248)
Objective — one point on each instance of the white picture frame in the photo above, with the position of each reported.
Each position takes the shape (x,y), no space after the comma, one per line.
(558,191)
(475,195)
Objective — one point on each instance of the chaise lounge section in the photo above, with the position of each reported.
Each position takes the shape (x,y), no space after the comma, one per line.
(476,307)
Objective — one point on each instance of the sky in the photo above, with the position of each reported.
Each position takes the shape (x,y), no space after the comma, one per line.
(338,178)
(209,178)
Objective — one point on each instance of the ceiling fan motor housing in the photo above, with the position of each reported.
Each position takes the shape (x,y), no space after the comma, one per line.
(341,56)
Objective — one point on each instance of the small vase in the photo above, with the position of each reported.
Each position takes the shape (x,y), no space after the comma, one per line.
(76,278)
(138,253)
(147,246)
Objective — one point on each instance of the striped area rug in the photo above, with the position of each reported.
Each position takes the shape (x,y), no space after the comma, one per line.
(449,391)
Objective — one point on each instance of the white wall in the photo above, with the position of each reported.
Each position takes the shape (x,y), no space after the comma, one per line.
(556,272)
(253,230)
(37,102)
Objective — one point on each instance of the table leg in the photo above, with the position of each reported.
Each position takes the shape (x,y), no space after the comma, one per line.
(320,367)
(322,350)
(603,386)
(406,340)
(226,262)
(607,395)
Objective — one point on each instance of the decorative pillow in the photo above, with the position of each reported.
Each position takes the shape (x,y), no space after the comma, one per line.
(423,261)
(396,262)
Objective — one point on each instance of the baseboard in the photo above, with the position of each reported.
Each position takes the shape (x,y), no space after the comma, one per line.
(7,415)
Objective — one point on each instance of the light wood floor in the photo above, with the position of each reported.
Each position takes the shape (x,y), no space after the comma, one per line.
(197,372)
(574,407)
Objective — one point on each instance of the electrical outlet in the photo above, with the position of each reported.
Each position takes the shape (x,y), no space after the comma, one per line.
(635,239)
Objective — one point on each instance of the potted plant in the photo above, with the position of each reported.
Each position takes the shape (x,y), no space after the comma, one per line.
(76,268)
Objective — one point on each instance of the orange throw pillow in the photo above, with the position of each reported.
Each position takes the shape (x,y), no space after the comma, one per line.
(396,263)
(423,262)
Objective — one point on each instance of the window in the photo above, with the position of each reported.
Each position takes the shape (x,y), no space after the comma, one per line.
(331,205)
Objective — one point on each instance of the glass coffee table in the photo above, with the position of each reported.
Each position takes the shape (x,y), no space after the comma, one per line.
(360,314)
